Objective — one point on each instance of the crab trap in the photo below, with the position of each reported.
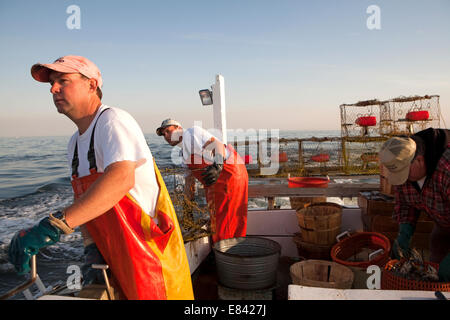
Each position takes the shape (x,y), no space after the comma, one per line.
(408,115)
(360,155)
(361,119)
(304,157)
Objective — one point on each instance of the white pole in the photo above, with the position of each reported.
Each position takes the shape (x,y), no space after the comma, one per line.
(219,108)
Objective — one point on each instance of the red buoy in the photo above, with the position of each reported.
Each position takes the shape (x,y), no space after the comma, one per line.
(417,115)
(369,121)
(283,157)
(322,157)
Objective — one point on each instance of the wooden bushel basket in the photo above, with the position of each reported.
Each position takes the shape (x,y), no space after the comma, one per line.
(310,250)
(300,202)
(322,274)
(320,222)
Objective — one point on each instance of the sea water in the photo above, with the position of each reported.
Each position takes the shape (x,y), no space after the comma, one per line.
(34,181)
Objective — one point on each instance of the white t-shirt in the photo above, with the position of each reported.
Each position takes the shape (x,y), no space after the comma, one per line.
(118,137)
(421,182)
(193,141)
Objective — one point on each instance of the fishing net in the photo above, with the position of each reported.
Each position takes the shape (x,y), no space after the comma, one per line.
(193,214)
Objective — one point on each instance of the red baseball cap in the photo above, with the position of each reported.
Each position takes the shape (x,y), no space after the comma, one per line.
(67,64)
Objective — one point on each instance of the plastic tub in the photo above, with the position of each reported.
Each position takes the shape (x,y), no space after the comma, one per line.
(308,182)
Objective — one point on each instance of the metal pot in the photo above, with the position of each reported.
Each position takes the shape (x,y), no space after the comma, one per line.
(247,263)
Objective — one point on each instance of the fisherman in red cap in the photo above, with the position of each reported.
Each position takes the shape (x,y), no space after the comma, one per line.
(121,202)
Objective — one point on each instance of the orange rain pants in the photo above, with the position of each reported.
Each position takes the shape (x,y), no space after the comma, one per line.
(227,198)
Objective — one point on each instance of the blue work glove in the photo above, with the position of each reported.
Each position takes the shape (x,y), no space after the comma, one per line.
(26,243)
(401,244)
(444,269)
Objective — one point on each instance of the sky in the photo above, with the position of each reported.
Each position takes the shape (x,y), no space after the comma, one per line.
(287,65)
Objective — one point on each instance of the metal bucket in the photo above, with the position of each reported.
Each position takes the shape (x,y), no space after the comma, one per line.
(247,263)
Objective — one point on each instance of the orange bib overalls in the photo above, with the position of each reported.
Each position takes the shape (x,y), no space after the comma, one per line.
(147,261)
(227,198)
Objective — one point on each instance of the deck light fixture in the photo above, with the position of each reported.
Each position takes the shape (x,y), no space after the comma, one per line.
(206,97)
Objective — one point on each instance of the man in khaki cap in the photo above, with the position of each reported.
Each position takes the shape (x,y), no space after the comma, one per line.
(419,167)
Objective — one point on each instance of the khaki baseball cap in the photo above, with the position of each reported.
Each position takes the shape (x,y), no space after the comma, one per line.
(396,155)
(166,123)
(67,64)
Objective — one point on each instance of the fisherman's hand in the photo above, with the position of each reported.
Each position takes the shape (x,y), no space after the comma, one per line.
(444,269)
(400,246)
(212,173)
(26,243)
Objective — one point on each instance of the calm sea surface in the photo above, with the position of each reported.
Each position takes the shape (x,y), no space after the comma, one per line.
(34,181)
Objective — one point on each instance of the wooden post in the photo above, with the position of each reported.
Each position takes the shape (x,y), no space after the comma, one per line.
(300,158)
(271,204)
